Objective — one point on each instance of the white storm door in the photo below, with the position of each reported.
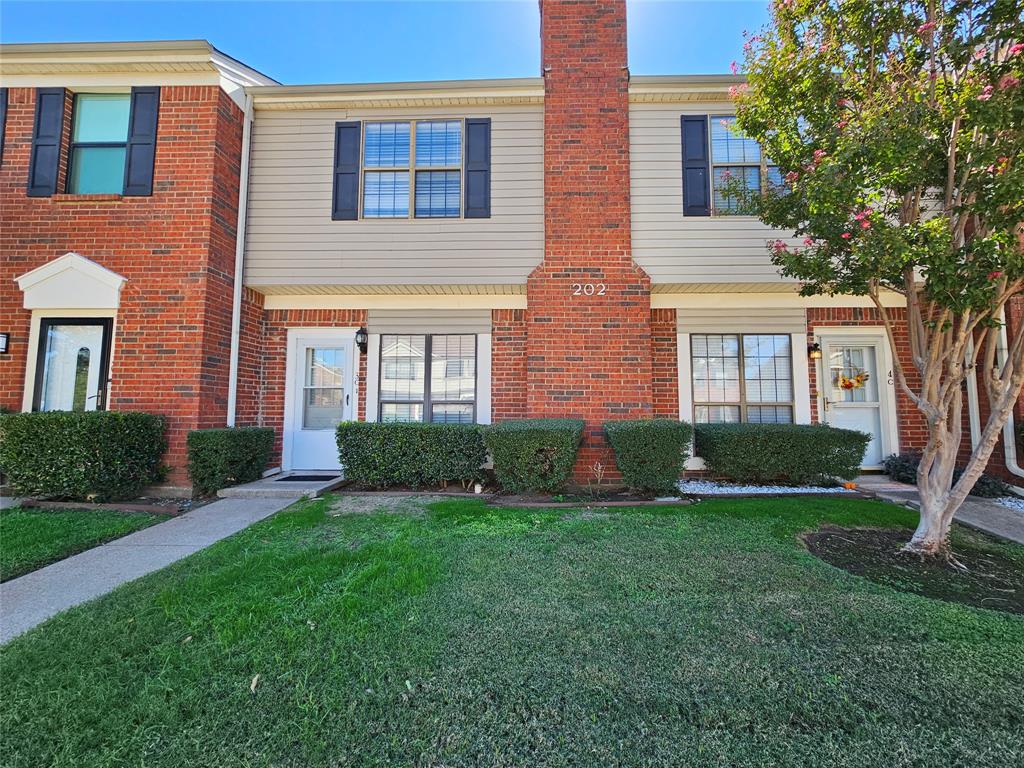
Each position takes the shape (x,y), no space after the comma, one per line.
(321,396)
(853,392)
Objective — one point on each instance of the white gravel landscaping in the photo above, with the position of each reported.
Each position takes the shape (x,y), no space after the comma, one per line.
(712,488)
(1015,503)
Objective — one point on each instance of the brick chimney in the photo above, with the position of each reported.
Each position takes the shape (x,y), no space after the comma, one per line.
(589,308)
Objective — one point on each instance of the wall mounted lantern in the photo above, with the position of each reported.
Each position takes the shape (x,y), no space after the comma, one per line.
(814,351)
(361,338)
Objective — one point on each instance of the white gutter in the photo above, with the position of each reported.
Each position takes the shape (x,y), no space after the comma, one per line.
(236,302)
(1009,433)
(974,409)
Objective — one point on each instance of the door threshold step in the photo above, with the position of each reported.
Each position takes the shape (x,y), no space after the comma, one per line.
(286,485)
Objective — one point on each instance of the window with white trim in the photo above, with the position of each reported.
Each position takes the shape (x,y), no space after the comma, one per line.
(412,168)
(428,378)
(734,157)
(742,378)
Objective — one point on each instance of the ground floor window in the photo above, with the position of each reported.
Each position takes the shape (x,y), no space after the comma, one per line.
(72,364)
(427,377)
(742,378)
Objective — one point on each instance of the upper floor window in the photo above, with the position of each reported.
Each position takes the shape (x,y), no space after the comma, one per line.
(413,166)
(734,157)
(99,141)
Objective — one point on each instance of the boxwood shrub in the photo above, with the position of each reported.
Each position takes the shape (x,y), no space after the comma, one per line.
(903,469)
(76,455)
(416,455)
(218,458)
(787,453)
(650,453)
(534,454)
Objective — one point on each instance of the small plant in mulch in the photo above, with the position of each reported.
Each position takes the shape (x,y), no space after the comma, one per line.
(984,572)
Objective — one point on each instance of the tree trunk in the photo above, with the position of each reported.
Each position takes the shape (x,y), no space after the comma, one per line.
(931,538)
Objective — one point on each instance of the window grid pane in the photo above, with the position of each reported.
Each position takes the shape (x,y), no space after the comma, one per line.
(453,368)
(386,145)
(437,194)
(438,143)
(730,147)
(749,176)
(97,170)
(101,118)
(386,194)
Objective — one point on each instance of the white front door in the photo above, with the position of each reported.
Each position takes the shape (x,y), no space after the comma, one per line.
(855,389)
(320,395)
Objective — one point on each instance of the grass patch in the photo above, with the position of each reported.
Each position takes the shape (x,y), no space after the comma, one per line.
(702,635)
(31,538)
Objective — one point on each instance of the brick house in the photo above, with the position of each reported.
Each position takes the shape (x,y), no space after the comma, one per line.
(183,235)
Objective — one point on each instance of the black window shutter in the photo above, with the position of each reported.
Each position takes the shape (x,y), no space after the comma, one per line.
(141,153)
(3,120)
(478,168)
(44,162)
(345,200)
(696,166)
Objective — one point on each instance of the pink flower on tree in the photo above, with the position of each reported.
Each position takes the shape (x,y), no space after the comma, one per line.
(819,155)
(980,54)
(986,93)
(1008,81)
(846,235)
(779,247)
(865,224)
(994,275)
(792,176)
(808,241)
(928,26)
(734,68)
(842,124)
(1015,49)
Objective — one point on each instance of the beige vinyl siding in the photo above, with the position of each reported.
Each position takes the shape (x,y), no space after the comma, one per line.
(746,320)
(673,248)
(291,239)
(454,321)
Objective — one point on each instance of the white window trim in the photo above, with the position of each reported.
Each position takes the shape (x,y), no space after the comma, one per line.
(801,385)
(483,376)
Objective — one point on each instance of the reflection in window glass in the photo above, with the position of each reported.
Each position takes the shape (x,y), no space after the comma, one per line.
(386,145)
(324,390)
(438,194)
(428,378)
(438,143)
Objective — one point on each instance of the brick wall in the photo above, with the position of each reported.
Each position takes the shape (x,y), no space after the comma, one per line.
(665,364)
(262,378)
(176,249)
(587,355)
(508,364)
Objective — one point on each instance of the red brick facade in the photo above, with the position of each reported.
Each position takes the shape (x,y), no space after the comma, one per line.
(175,248)
(508,364)
(665,364)
(589,310)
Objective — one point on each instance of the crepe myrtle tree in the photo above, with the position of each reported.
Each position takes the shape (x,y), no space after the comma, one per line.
(898,129)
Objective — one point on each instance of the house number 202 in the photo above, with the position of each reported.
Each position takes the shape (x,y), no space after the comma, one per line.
(588,289)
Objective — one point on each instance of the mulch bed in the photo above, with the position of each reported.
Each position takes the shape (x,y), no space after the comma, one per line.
(991,579)
(162,506)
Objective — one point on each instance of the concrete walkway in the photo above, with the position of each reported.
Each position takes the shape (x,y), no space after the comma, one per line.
(983,514)
(31,599)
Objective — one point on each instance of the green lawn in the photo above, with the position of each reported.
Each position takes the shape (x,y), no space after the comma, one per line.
(702,635)
(32,538)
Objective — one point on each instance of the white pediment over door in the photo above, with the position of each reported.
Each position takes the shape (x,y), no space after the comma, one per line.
(71,282)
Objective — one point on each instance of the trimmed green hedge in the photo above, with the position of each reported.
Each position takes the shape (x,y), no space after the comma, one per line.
(218,458)
(534,454)
(411,454)
(91,455)
(903,469)
(789,453)
(650,453)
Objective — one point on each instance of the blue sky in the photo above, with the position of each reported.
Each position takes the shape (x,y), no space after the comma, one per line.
(350,42)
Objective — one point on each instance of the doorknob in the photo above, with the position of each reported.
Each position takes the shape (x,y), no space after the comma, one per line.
(827,403)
